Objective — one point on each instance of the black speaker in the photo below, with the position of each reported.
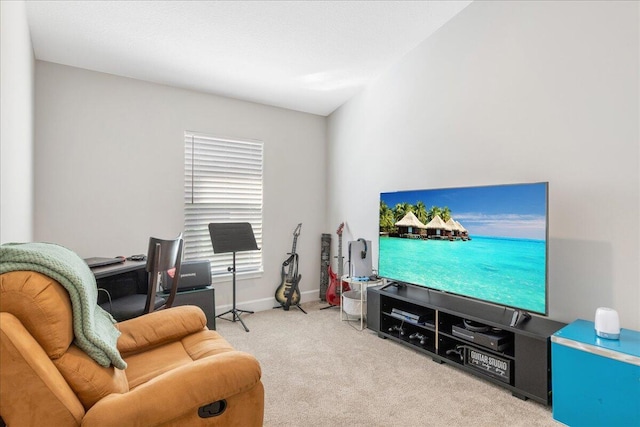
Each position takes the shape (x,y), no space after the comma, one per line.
(325,261)
(373,309)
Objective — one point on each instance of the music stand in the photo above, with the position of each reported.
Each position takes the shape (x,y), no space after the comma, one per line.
(233,237)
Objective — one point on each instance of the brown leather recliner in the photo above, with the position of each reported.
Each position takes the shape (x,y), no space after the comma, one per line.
(179,373)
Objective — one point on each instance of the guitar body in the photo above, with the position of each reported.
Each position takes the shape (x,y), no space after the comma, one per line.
(285,288)
(333,291)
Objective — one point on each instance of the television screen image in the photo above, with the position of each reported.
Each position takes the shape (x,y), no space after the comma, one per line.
(488,243)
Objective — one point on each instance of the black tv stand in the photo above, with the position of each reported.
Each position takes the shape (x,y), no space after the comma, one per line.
(515,356)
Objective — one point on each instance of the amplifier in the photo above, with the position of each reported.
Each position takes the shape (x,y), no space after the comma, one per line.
(193,275)
(494,366)
(494,340)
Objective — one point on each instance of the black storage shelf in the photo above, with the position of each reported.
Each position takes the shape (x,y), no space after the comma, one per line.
(470,309)
(520,360)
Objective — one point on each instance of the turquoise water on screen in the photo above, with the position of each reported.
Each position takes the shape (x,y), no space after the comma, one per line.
(505,271)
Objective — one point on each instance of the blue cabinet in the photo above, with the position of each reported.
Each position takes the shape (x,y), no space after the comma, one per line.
(596,381)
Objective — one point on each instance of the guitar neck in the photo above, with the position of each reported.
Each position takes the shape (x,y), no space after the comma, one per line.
(340,256)
(293,251)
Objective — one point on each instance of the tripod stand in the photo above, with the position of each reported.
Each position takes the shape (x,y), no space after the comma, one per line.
(235,311)
(233,237)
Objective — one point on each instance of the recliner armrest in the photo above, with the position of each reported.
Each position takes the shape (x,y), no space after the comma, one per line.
(178,393)
(160,327)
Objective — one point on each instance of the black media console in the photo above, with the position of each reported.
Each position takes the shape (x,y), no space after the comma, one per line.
(472,335)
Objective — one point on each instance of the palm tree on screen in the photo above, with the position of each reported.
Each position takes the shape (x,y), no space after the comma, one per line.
(387,220)
(445,214)
(401,210)
(433,212)
(421,212)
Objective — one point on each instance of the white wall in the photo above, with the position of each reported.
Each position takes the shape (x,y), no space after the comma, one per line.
(16,124)
(511,92)
(109,162)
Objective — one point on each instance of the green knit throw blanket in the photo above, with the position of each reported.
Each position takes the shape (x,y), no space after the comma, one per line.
(93,327)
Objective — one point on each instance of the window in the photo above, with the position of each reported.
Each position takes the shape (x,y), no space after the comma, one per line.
(222,183)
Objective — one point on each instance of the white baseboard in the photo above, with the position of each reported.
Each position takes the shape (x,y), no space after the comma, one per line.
(267,303)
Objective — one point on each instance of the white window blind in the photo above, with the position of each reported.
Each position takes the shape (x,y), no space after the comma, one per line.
(222,183)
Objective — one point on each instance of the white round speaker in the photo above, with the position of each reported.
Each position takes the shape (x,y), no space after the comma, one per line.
(607,323)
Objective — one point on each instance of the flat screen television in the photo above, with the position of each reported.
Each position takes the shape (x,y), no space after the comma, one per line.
(488,243)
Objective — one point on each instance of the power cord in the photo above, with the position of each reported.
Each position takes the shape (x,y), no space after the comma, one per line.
(109,297)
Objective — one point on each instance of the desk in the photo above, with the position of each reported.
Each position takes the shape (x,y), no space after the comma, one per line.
(121,279)
(130,277)
(116,269)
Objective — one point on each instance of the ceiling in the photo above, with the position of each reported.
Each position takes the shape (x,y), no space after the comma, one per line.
(309,56)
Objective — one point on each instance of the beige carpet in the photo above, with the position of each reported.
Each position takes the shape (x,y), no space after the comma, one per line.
(318,371)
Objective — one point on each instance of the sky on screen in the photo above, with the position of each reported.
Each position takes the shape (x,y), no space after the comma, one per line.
(517,211)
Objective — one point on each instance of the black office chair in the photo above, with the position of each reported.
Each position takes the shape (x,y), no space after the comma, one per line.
(162,256)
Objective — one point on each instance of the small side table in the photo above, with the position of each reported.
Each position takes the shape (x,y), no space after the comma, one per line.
(360,286)
(595,380)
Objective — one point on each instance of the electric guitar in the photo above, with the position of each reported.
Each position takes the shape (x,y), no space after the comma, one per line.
(333,291)
(288,293)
